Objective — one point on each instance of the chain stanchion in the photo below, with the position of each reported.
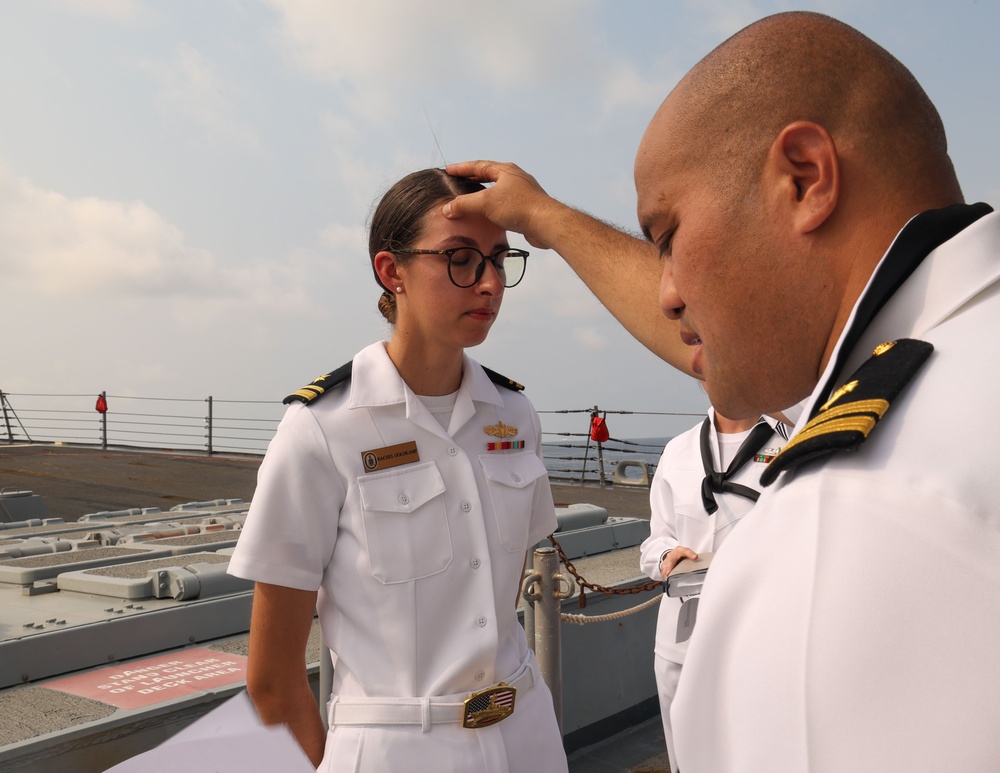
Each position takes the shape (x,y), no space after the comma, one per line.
(584,585)
(552,588)
(530,597)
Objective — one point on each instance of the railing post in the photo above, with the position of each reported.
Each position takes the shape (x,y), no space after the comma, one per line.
(548,625)
(6,418)
(600,455)
(208,424)
(104,423)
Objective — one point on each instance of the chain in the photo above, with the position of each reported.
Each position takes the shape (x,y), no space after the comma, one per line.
(584,585)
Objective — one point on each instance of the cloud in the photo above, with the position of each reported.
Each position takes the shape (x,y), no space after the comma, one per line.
(590,338)
(380,52)
(193,87)
(59,247)
(114,10)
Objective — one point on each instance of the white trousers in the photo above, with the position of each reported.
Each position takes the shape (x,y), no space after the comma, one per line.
(667,675)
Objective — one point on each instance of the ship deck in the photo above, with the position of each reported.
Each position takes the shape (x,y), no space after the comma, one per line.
(74,481)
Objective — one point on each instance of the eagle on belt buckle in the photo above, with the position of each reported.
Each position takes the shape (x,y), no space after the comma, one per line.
(489,706)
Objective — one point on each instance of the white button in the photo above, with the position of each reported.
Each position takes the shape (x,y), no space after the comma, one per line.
(466,507)
(403,499)
(476,563)
(453,451)
(481,621)
(515,477)
(480,675)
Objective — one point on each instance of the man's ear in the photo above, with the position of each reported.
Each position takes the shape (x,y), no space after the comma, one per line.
(804,163)
(387,270)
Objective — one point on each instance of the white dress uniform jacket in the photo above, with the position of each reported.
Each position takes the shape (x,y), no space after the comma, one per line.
(853,620)
(678,518)
(417,565)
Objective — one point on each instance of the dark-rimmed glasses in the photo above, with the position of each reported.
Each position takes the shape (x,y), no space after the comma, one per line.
(466,264)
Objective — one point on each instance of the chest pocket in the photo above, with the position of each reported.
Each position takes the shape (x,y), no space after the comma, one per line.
(511,479)
(406,523)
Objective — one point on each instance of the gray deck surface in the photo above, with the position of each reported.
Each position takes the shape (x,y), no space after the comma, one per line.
(74,481)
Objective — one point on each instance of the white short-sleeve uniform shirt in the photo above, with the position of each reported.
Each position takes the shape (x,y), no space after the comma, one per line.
(678,516)
(417,564)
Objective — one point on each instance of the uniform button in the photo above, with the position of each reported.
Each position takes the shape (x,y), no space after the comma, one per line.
(466,506)
(403,499)
(480,675)
(476,563)
(515,477)
(453,451)
(481,621)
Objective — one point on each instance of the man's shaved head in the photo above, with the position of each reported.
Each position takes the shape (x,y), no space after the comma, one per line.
(772,180)
(801,66)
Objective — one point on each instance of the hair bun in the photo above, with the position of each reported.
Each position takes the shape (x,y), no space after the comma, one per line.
(387,306)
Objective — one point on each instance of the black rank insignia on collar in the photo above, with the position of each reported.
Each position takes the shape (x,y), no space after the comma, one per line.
(848,417)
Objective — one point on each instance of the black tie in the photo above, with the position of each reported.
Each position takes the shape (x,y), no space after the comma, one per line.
(718,482)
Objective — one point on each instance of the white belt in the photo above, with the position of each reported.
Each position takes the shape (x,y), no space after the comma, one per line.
(421,711)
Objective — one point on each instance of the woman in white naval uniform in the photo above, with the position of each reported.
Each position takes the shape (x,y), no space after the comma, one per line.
(690,515)
(402,504)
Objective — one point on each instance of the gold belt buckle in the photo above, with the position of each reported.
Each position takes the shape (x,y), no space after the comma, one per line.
(489,706)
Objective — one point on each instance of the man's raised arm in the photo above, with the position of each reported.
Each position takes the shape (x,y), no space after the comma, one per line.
(620,269)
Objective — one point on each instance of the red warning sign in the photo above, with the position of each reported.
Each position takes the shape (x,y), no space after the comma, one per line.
(139,683)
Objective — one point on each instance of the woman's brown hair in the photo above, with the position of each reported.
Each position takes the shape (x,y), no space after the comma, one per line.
(398,220)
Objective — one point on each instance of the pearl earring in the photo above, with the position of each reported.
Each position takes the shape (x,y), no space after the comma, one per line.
(399,290)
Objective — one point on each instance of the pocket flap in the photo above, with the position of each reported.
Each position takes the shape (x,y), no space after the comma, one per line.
(401,491)
(515,470)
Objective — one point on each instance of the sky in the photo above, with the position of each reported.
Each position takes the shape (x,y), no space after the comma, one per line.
(185,185)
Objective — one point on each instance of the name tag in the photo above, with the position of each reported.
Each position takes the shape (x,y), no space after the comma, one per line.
(390,456)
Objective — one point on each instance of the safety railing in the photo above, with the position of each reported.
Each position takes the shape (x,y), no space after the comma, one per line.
(596,456)
(205,424)
(213,425)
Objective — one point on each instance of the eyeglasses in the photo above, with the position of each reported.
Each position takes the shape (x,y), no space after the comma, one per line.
(466,264)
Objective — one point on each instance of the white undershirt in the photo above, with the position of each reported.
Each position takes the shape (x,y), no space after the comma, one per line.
(729,444)
(441,407)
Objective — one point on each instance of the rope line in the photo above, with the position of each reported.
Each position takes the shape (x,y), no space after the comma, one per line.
(584,619)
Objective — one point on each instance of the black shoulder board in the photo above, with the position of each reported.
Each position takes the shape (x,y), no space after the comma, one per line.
(846,419)
(503,381)
(319,387)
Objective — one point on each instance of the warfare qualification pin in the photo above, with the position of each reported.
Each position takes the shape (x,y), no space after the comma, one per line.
(500,430)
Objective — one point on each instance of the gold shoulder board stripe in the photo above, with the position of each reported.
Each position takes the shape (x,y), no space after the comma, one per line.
(849,416)
(320,386)
(503,381)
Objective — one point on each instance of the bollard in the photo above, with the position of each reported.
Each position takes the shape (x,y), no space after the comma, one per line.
(530,597)
(548,626)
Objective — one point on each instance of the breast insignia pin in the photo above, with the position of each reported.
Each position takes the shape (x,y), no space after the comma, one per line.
(500,430)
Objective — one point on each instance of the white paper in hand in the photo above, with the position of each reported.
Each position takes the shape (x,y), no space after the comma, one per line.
(229,739)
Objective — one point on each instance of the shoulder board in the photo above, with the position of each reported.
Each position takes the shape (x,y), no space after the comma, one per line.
(503,381)
(319,387)
(847,418)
